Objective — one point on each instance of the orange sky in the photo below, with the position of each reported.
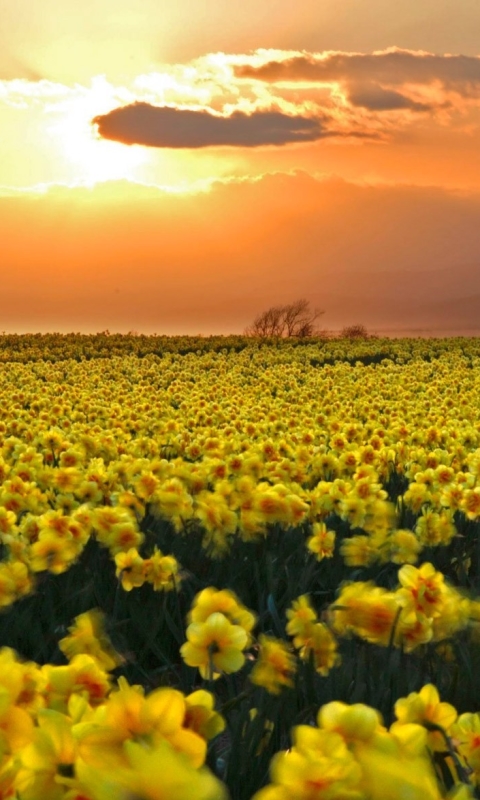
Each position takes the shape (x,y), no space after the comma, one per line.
(179,167)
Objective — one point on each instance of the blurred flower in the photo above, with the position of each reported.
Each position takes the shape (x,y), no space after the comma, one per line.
(200,715)
(422,589)
(352,722)
(130,569)
(275,665)
(425,708)
(224,601)
(322,541)
(301,616)
(323,646)
(87,636)
(157,773)
(162,571)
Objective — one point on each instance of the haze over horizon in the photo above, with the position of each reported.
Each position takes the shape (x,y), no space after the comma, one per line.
(180,169)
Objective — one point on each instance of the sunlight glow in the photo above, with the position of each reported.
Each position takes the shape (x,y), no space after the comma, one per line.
(94,159)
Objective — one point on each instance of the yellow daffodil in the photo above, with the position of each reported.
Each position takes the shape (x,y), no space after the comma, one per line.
(157,773)
(275,665)
(425,708)
(215,646)
(88,637)
(130,569)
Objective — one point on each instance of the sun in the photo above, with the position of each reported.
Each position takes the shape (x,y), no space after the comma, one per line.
(99,160)
(88,158)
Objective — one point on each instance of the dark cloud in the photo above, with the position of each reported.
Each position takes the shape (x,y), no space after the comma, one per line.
(375,98)
(391,67)
(164,126)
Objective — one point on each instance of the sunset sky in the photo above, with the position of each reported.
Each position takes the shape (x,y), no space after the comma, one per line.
(179,167)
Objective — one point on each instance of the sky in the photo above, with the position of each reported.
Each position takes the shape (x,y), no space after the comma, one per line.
(180,167)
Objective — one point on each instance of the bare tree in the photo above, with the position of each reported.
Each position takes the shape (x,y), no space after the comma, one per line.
(294,319)
(270,322)
(357,331)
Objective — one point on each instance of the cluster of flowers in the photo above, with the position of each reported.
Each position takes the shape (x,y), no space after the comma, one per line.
(53,541)
(232,443)
(351,755)
(424,608)
(72,733)
(220,631)
(375,463)
(55,347)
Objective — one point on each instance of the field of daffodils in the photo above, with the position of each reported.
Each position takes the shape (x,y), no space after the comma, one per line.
(234,568)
